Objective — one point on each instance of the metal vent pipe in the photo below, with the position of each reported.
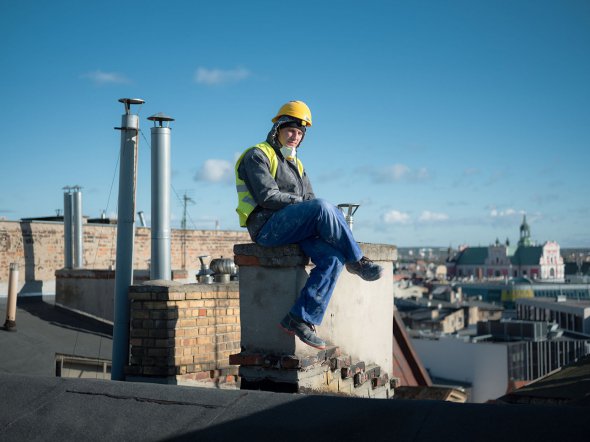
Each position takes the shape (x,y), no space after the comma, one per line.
(141,216)
(68,204)
(348,210)
(77,230)
(125,235)
(160,251)
(10,323)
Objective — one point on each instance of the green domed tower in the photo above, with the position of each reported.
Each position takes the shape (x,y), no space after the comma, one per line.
(525,233)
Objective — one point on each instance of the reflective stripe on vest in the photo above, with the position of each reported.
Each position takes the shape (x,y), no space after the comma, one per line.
(246,202)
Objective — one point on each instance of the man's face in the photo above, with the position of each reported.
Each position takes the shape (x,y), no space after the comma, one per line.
(290,136)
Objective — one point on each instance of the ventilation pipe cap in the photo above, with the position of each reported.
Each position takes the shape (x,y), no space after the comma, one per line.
(348,209)
(129,101)
(160,118)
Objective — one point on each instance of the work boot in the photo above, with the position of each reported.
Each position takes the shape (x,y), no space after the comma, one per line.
(366,269)
(303,330)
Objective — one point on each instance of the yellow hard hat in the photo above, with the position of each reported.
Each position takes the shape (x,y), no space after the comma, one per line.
(297,109)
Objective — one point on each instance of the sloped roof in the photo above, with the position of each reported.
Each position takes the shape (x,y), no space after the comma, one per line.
(473,256)
(407,366)
(523,255)
(527,255)
(568,385)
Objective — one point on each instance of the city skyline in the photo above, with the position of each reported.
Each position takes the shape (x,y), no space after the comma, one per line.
(445,121)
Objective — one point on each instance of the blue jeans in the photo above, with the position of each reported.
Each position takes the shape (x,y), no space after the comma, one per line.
(322,233)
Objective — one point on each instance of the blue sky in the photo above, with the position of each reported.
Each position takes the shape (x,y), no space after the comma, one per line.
(445,120)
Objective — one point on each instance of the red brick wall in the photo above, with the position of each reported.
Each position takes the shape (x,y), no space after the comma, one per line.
(38,247)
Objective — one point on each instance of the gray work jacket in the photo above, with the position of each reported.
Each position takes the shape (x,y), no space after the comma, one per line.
(271,194)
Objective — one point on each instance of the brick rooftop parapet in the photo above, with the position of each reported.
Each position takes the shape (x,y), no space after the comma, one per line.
(39,246)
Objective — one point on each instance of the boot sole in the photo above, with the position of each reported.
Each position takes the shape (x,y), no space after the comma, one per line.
(286,330)
(372,278)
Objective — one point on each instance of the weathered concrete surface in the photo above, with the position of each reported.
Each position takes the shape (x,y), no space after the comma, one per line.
(359,318)
(291,254)
(266,295)
(92,292)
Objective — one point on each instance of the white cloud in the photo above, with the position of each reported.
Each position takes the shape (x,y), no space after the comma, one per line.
(398,172)
(396,217)
(214,77)
(100,77)
(427,216)
(215,171)
(495,213)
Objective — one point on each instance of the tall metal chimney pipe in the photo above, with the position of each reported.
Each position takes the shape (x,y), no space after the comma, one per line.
(77,220)
(125,233)
(160,258)
(68,203)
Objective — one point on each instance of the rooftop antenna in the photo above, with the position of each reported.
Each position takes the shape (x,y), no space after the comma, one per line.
(186,200)
(125,233)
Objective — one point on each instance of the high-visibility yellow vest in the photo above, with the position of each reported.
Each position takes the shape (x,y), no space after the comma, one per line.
(246,203)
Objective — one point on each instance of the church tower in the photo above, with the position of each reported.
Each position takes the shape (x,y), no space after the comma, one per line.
(525,233)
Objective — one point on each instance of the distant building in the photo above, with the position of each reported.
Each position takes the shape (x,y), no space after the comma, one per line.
(435,320)
(444,311)
(577,271)
(503,261)
(503,354)
(570,315)
(506,292)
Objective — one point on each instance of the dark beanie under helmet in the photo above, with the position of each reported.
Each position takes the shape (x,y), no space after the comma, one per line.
(292,122)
